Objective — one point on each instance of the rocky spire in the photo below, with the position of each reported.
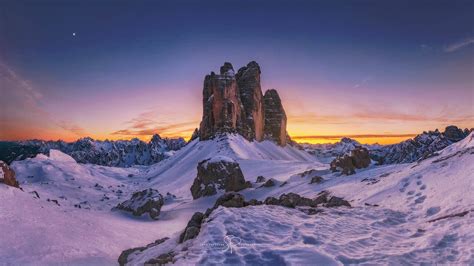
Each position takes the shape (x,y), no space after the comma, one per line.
(275,118)
(248,80)
(233,103)
(222,107)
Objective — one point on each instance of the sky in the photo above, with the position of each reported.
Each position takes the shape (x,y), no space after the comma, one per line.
(378,71)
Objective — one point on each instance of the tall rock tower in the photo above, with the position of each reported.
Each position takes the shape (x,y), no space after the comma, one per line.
(235,104)
(275,118)
(248,80)
(222,108)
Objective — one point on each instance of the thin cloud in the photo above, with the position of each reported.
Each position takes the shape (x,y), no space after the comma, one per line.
(165,128)
(20,97)
(459,45)
(75,129)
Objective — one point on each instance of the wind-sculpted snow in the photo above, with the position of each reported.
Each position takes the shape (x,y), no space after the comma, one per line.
(264,235)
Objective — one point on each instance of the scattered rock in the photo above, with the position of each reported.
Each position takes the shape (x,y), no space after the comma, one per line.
(283,184)
(147,201)
(53,201)
(193,227)
(215,174)
(268,183)
(316,180)
(272,201)
(460,214)
(291,200)
(260,179)
(162,259)
(123,258)
(230,200)
(337,202)
(358,158)
(321,198)
(7,175)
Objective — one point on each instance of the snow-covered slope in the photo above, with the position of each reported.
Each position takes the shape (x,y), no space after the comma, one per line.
(178,172)
(398,231)
(403,214)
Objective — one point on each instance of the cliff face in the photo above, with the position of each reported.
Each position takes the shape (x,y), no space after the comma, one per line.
(275,118)
(248,81)
(234,103)
(222,108)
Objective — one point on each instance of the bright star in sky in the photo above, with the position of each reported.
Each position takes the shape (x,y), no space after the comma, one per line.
(73,34)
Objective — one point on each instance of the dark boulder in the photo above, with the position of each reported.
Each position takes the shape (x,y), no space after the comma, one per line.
(316,180)
(260,179)
(123,258)
(192,228)
(162,259)
(147,201)
(230,200)
(337,202)
(268,183)
(358,158)
(219,173)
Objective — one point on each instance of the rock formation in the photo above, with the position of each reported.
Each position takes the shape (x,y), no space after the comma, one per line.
(358,158)
(7,175)
(275,118)
(234,103)
(222,108)
(147,201)
(248,81)
(220,173)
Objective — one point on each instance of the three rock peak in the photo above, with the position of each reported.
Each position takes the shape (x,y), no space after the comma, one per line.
(234,103)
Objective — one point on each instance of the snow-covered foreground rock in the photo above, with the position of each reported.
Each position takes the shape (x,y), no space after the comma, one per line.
(391,220)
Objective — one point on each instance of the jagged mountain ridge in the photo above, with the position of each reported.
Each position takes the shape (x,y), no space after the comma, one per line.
(411,150)
(420,147)
(120,153)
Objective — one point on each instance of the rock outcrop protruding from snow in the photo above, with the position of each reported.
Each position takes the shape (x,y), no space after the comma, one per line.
(357,159)
(420,147)
(147,201)
(219,173)
(275,118)
(192,228)
(235,104)
(7,175)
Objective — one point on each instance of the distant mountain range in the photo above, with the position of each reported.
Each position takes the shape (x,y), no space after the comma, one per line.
(121,153)
(407,151)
